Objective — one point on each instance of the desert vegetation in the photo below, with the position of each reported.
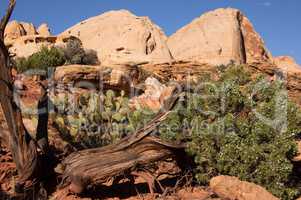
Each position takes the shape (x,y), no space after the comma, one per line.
(225,135)
(52,57)
(44,59)
(232,126)
(94,119)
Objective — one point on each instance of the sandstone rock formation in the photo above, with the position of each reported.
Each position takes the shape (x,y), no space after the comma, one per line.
(253,45)
(23,39)
(155,93)
(121,77)
(13,31)
(121,37)
(30,44)
(219,37)
(287,64)
(44,30)
(29,28)
(232,188)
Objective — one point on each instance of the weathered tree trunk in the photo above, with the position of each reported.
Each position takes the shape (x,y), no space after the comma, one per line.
(22,146)
(101,165)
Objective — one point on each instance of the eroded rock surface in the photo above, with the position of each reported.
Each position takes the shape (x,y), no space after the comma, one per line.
(155,93)
(219,37)
(287,63)
(13,31)
(27,45)
(121,37)
(121,77)
(23,39)
(29,28)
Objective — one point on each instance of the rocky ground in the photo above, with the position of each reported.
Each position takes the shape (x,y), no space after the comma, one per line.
(221,188)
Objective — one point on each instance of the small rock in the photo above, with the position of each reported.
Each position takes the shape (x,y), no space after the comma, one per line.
(154,95)
(232,188)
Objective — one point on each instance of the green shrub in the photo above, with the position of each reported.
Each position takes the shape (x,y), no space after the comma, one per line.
(239,127)
(46,57)
(75,53)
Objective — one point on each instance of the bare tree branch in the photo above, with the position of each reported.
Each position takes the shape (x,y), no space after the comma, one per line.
(6,18)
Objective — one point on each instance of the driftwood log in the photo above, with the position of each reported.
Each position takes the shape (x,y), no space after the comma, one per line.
(23,147)
(125,158)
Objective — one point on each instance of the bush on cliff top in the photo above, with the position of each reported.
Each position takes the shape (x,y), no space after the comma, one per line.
(73,53)
(41,60)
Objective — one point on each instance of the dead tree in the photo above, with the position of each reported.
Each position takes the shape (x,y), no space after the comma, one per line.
(22,146)
(125,158)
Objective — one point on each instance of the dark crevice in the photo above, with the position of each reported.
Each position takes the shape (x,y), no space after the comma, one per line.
(243,47)
(150,47)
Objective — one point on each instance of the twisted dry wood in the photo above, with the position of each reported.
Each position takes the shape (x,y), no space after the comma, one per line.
(100,165)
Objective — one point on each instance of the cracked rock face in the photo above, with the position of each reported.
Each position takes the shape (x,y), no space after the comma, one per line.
(23,39)
(219,37)
(15,30)
(254,47)
(121,37)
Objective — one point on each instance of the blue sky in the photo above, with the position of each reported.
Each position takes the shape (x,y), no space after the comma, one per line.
(277,21)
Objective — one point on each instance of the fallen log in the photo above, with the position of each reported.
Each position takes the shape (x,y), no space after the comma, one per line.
(104,167)
(130,154)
